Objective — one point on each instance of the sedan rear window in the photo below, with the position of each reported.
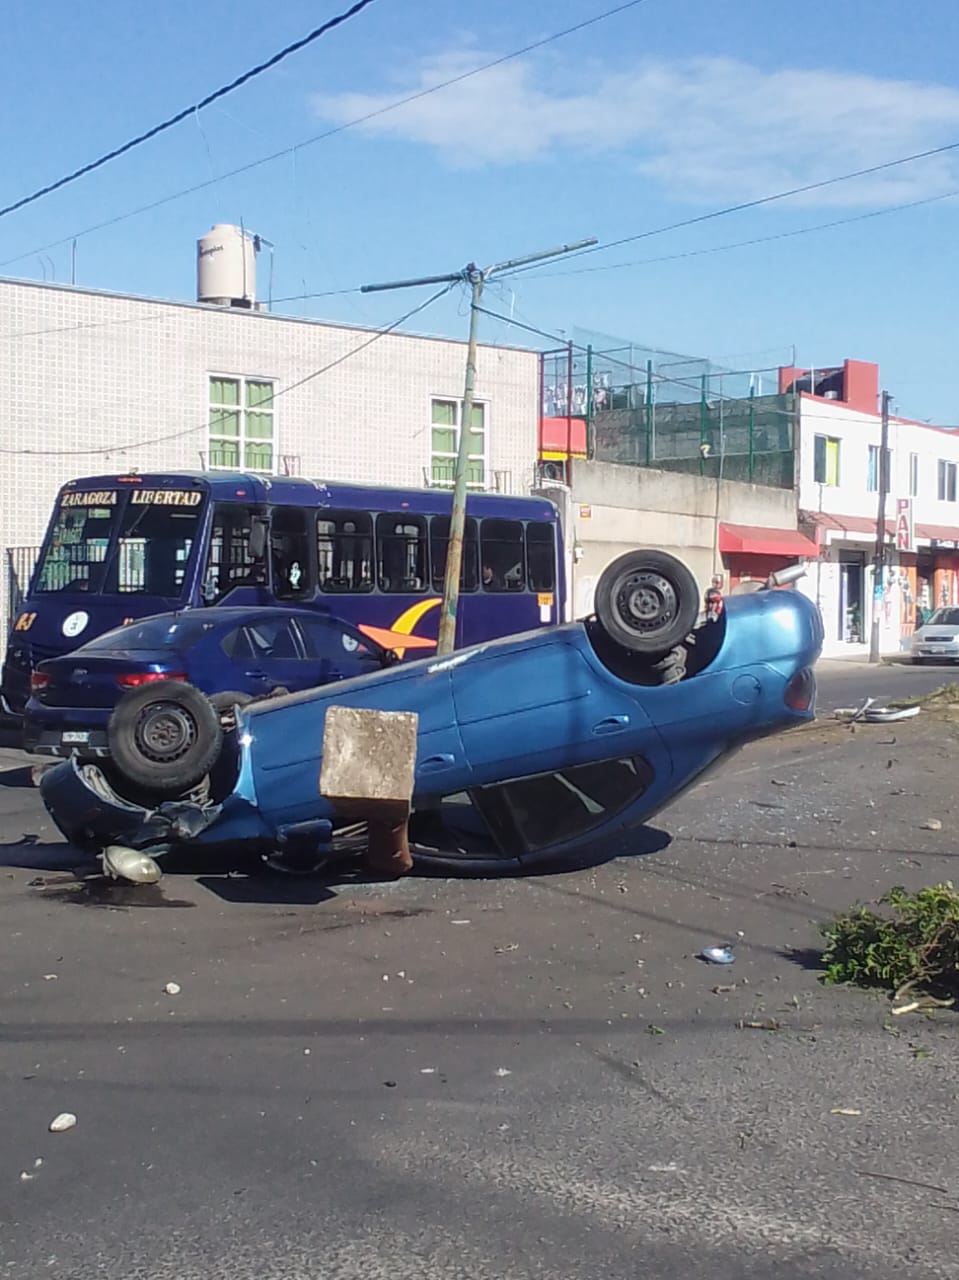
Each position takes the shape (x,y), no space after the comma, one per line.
(153,633)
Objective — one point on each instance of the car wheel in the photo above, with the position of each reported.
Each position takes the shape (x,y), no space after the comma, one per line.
(164,737)
(647,602)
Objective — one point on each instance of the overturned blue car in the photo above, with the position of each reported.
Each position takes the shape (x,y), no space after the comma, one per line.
(507,754)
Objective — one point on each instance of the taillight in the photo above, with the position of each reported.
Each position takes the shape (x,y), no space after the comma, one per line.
(134,679)
(38,680)
(801,690)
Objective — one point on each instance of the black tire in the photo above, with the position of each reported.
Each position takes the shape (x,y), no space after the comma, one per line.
(164,737)
(647,602)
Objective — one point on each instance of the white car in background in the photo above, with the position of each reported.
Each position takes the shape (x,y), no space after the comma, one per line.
(937,640)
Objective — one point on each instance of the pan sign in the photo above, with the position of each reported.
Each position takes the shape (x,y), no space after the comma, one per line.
(905,532)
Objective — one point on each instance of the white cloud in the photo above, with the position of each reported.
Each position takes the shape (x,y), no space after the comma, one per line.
(702,128)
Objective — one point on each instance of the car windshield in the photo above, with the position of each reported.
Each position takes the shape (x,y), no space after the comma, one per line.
(103,543)
(167,632)
(944,618)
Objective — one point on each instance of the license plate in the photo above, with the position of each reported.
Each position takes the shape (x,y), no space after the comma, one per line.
(76,736)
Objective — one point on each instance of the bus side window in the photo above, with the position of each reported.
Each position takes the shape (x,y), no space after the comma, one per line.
(401,552)
(439,540)
(541,556)
(290,553)
(229,562)
(503,555)
(344,544)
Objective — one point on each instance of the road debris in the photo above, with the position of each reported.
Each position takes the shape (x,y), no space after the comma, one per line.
(760,1024)
(724,989)
(931,824)
(721,954)
(502,1071)
(509,946)
(64,1121)
(172,988)
(874,711)
(50,977)
(121,863)
(845,1111)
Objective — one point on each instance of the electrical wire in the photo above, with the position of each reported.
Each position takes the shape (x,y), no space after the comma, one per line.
(204,426)
(337,129)
(195,108)
(752,204)
(742,244)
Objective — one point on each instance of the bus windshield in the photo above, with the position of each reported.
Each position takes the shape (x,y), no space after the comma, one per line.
(114,543)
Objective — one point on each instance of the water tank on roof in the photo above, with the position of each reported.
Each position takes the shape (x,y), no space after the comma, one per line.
(226,267)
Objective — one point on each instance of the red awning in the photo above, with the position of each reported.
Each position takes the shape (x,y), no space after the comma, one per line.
(754,540)
(937,532)
(845,524)
(867,525)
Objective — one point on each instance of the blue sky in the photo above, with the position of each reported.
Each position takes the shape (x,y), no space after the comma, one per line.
(662,113)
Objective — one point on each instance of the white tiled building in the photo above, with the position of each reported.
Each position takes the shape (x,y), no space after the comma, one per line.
(838,481)
(94,383)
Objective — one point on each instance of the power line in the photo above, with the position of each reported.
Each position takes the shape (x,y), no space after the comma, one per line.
(337,129)
(741,244)
(760,200)
(204,426)
(191,110)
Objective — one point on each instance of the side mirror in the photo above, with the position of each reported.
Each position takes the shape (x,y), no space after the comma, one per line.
(257,540)
(390,658)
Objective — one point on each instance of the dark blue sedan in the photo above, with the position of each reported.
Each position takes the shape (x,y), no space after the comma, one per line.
(232,655)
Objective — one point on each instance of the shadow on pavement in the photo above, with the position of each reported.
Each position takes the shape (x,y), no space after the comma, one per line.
(22,777)
(31,854)
(808,958)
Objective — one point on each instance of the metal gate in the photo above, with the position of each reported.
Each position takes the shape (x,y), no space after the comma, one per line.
(20,562)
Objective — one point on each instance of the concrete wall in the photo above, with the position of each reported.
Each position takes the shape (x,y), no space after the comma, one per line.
(617,508)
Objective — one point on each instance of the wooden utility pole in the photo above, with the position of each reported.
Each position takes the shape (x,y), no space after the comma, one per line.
(879,560)
(476,278)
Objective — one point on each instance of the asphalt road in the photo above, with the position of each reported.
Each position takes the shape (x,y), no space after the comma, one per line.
(843,682)
(493,1079)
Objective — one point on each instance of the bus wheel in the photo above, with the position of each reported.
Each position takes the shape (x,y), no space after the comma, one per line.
(647,602)
(164,737)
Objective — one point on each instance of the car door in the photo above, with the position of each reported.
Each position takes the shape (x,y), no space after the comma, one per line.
(265,655)
(335,650)
(538,706)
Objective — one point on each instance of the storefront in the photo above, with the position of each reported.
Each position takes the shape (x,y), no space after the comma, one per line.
(843,582)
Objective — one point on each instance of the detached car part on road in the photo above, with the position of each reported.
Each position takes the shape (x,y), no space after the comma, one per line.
(526,748)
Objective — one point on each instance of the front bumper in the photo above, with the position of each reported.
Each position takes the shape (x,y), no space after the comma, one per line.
(947,652)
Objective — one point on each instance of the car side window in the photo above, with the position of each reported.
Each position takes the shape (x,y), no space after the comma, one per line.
(262,640)
(550,808)
(290,554)
(503,555)
(331,641)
